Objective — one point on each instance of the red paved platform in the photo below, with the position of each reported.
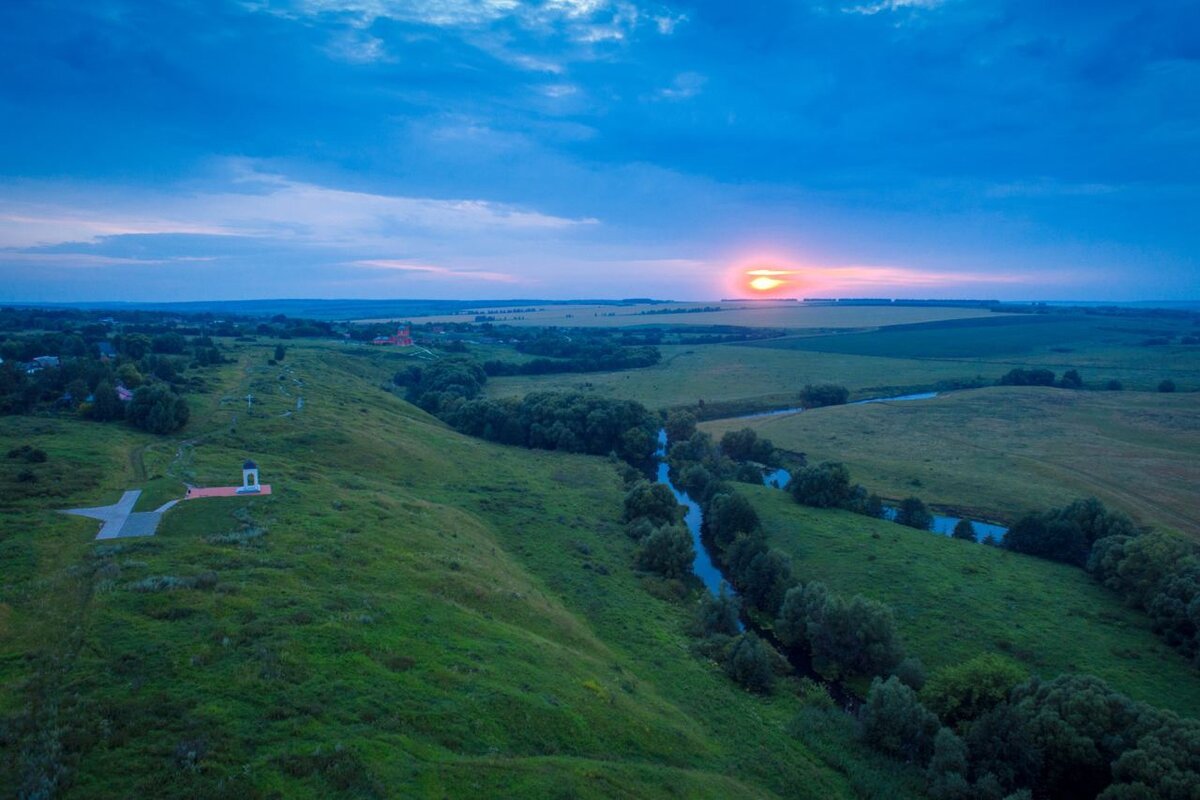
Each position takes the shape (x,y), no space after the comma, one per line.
(225,491)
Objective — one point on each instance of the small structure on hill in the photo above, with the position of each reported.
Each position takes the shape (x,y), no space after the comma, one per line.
(250,482)
(401,338)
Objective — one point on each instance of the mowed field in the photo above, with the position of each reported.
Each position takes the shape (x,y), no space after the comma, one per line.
(795,316)
(954,600)
(895,359)
(411,613)
(995,453)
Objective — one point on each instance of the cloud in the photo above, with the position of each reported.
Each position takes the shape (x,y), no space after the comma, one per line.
(441,272)
(871,9)
(261,204)
(685,85)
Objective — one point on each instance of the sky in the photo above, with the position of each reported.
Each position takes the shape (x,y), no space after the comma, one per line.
(470,149)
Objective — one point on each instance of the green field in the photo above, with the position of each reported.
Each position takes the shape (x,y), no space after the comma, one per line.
(954,600)
(412,613)
(894,359)
(721,373)
(995,453)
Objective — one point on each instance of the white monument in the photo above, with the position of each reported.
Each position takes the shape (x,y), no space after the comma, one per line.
(249,479)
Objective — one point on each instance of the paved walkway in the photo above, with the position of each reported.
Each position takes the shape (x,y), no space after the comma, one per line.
(194,492)
(120,520)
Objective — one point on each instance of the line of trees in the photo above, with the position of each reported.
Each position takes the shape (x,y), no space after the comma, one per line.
(572,422)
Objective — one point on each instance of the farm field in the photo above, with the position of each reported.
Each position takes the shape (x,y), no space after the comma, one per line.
(386,623)
(722,373)
(954,600)
(795,316)
(994,453)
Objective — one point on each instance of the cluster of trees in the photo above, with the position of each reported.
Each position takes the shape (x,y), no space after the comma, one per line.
(1067,534)
(85,382)
(844,637)
(983,732)
(1156,571)
(572,422)
(825,394)
(600,357)
(655,521)
(827,485)
(1159,573)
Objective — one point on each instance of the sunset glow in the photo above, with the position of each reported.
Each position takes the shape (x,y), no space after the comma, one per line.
(766,280)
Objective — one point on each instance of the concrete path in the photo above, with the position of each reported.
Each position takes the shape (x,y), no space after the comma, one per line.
(120,520)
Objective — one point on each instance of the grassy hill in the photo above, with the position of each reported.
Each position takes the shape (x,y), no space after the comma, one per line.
(954,600)
(412,613)
(997,452)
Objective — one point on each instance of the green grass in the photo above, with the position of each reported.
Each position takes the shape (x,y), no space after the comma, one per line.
(412,613)
(954,600)
(998,452)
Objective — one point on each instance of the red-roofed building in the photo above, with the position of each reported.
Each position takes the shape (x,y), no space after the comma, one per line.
(401,338)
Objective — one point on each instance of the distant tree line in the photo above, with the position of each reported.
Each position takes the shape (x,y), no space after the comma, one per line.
(604,357)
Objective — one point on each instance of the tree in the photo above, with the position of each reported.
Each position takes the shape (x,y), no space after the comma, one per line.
(745,445)
(913,513)
(965,692)
(851,638)
(280,352)
(1166,386)
(718,614)
(963,529)
(749,663)
(792,623)
(1114,385)
(1071,380)
(729,514)
(667,551)
(948,768)
(911,673)
(1027,377)
(157,409)
(105,404)
(1047,536)
(826,485)
(895,722)
(826,394)
(680,425)
(654,501)
(766,579)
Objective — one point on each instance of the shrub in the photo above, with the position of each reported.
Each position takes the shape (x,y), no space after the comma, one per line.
(1166,386)
(826,394)
(157,409)
(729,514)
(654,501)
(965,692)
(718,614)
(749,663)
(911,673)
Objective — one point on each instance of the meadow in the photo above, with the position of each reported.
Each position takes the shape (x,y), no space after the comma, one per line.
(896,358)
(998,452)
(954,600)
(411,613)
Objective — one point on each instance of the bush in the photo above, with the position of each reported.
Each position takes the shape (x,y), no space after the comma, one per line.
(745,445)
(749,663)
(895,722)
(913,513)
(1114,385)
(965,692)
(1166,386)
(680,425)
(852,638)
(1027,377)
(911,673)
(1071,380)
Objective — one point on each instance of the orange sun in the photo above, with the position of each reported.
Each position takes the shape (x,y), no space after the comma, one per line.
(767,280)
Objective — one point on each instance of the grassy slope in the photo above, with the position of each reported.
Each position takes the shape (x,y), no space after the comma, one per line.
(954,600)
(419,619)
(999,451)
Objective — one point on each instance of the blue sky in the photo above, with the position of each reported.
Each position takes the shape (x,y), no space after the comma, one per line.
(588,148)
